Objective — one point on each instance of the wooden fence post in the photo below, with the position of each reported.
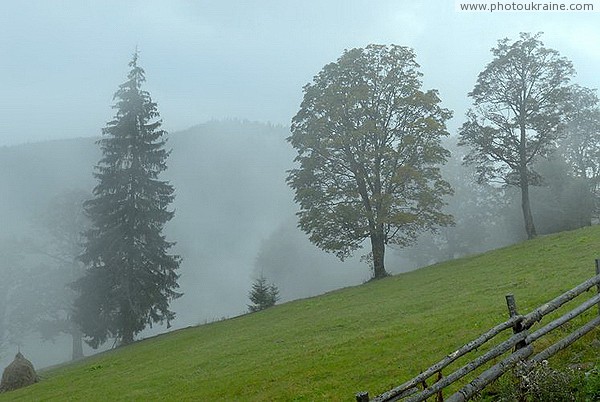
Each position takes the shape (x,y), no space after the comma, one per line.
(512,311)
(511,304)
(598,273)
(439,397)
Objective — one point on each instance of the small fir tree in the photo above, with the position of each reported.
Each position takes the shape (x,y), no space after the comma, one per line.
(263,295)
(130,278)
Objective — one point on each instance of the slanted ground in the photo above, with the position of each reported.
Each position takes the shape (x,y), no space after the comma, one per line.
(369,337)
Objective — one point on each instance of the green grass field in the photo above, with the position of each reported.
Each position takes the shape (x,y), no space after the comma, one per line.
(370,337)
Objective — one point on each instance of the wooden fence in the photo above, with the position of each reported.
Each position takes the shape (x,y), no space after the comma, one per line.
(520,345)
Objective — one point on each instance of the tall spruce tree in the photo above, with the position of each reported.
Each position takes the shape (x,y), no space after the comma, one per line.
(130,278)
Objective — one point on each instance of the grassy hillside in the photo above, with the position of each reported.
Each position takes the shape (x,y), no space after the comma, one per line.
(369,337)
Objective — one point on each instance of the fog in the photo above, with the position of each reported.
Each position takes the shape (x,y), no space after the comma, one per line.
(234,220)
(62,61)
(228,77)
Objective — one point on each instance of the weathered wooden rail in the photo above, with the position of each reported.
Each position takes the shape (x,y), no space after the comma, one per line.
(520,345)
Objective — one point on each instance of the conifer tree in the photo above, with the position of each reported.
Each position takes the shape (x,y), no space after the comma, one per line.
(262,295)
(130,278)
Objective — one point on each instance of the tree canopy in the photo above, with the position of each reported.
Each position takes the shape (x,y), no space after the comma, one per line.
(369,150)
(521,103)
(580,147)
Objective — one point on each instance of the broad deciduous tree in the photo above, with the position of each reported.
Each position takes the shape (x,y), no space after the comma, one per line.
(130,278)
(369,150)
(521,102)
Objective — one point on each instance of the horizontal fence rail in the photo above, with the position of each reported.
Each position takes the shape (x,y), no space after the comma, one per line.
(521,344)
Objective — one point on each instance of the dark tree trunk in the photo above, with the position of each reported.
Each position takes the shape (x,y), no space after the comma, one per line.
(128,318)
(378,249)
(77,351)
(526,207)
(127,338)
(524,181)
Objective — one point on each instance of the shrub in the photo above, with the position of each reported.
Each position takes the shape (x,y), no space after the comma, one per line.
(535,382)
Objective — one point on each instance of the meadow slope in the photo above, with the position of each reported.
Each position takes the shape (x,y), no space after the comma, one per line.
(326,348)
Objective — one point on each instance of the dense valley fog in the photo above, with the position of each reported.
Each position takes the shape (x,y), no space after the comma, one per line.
(235,215)
(234,220)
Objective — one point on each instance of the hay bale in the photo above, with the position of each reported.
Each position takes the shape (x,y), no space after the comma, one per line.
(20,373)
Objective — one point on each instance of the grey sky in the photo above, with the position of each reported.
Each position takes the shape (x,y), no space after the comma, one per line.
(61,61)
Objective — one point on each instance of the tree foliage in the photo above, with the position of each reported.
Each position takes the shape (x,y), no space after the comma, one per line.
(580,146)
(262,295)
(565,201)
(13,270)
(482,217)
(46,299)
(521,102)
(130,278)
(369,151)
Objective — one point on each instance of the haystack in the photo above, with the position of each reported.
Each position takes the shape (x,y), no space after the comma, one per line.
(20,373)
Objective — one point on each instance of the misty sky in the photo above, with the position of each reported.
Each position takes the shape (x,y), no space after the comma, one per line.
(61,61)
